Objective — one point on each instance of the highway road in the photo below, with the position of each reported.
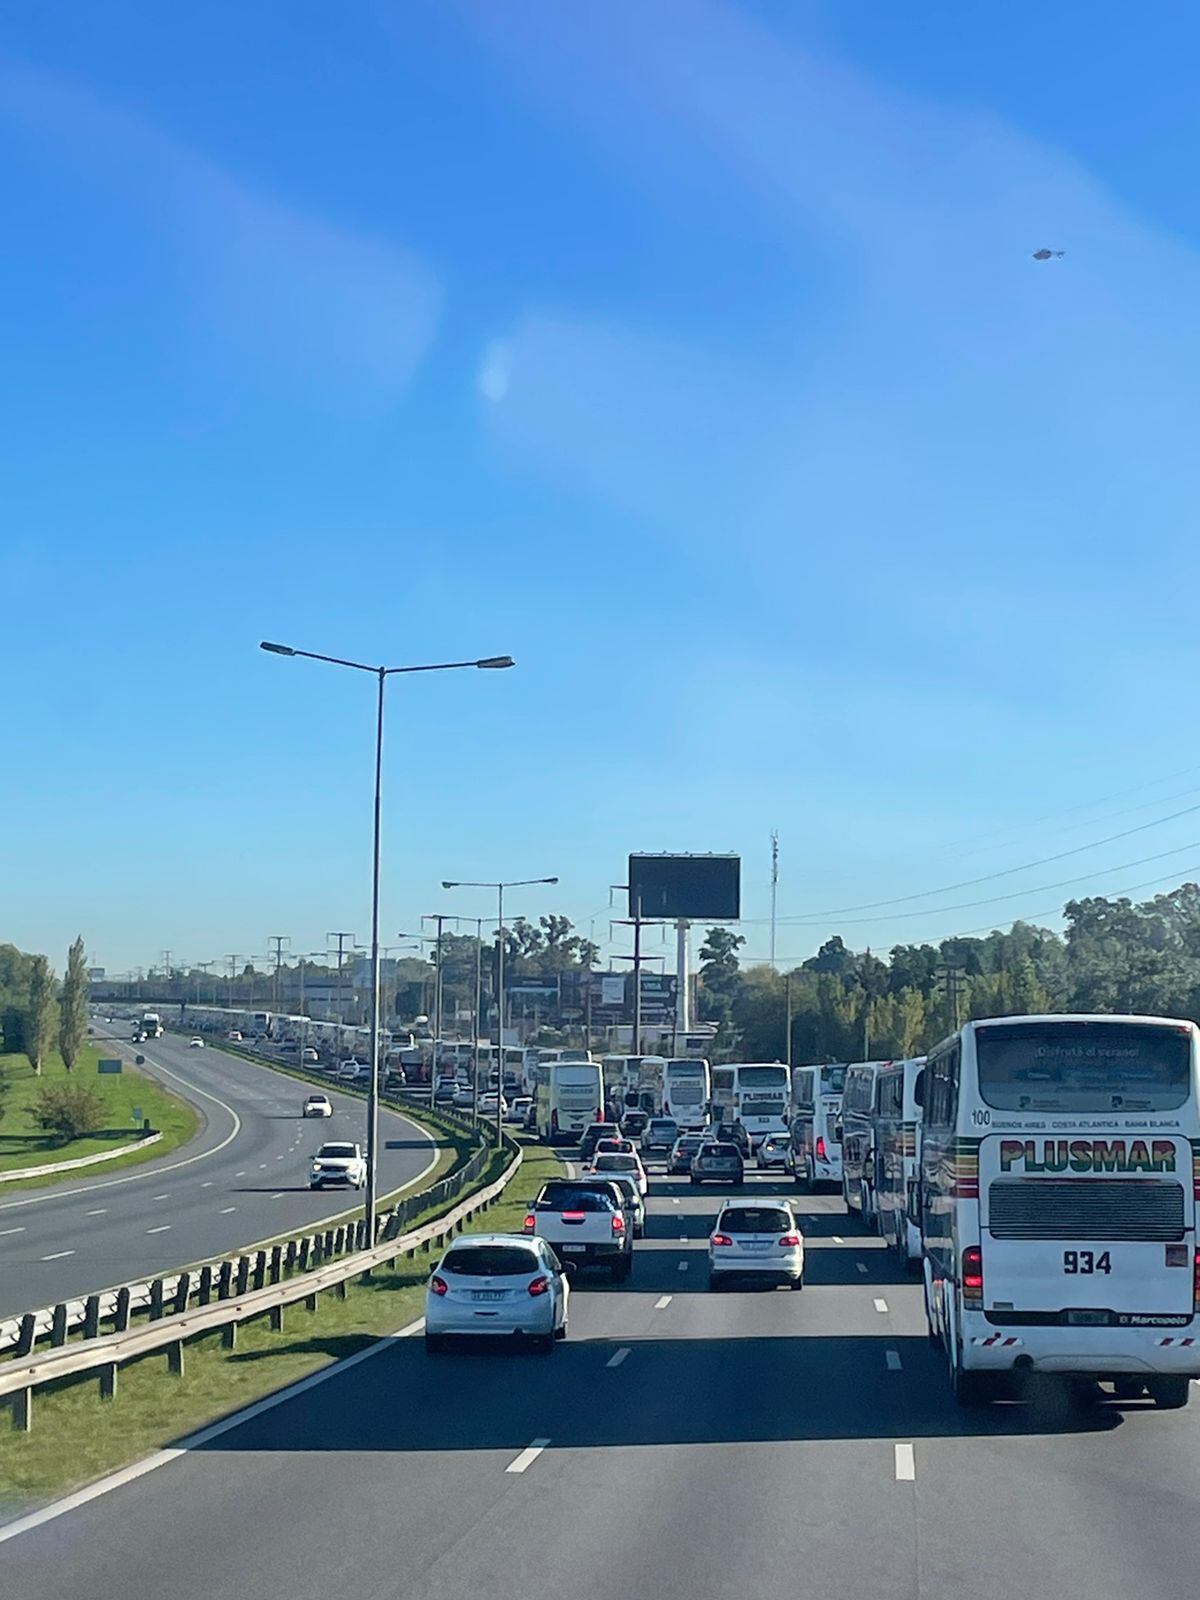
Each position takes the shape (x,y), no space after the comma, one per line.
(244,1178)
(681,1445)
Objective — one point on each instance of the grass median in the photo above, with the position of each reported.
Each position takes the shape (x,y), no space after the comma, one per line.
(76,1437)
(128,1097)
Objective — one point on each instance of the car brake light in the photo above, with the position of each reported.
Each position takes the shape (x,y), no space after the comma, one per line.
(720,1239)
(574,1216)
(529,1224)
(618,1224)
(821,1147)
(791,1240)
(438,1285)
(539,1286)
(972,1276)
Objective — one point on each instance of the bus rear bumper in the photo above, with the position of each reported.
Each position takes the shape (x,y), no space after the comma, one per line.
(1098,1352)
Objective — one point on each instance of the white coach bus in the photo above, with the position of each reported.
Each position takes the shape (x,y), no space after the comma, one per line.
(1059,1162)
(687,1090)
(567,1096)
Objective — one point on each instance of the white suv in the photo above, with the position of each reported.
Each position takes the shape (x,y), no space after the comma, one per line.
(756,1240)
(338,1163)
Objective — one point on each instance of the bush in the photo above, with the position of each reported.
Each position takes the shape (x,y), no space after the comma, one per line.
(68,1110)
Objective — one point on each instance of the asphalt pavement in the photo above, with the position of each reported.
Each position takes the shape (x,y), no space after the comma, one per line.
(681,1445)
(244,1178)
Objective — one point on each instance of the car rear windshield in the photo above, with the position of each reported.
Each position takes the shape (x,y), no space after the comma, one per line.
(661,1125)
(1083,1066)
(724,1152)
(754,1219)
(338,1150)
(565,1199)
(614,1161)
(491,1261)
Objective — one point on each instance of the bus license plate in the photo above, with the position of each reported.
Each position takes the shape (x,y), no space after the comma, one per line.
(1087,1319)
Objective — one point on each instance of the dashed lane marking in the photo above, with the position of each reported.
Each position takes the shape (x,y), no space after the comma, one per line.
(163,1227)
(881,1306)
(616,1360)
(528,1456)
(663,1303)
(683,1266)
(892,1357)
(225,1210)
(906,1466)
(58,1255)
(860,1266)
(5,1231)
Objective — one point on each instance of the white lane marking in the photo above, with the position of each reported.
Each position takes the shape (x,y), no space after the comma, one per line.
(195,1441)
(163,1227)
(527,1457)
(161,1197)
(683,1239)
(616,1360)
(225,1210)
(661,1305)
(892,1357)
(239,1174)
(140,1177)
(100,1211)
(262,1166)
(837,1239)
(58,1255)
(207,1184)
(674,1200)
(278,1196)
(279,1158)
(906,1466)
(6,1231)
(683,1266)
(860,1266)
(881,1306)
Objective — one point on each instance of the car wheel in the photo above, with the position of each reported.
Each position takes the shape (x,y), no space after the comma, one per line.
(560,1333)
(798,1283)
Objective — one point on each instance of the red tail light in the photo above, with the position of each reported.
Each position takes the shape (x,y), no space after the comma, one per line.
(618,1224)
(1196,1282)
(972,1276)
(720,1239)
(438,1285)
(598,1114)
(791,1240)
(529,1224)
(539,1286)
(821,1156)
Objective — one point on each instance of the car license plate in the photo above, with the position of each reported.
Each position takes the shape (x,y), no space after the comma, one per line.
(487,1294)
(756,1245)
(576,1249)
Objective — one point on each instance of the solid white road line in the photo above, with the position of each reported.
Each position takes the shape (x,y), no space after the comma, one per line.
(881,1306)
(5,1231)
(860,1266)
(163,1227)
(892,1357)
(528,1456)
(225,1210)
(661,1305)
(58,1255)
(196,1441)
(616,1360)
(906,1466)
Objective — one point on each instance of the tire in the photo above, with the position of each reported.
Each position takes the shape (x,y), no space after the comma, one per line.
(1170,1393)
(869,1219)
(935,1338)
(797,1283)
(560,1333)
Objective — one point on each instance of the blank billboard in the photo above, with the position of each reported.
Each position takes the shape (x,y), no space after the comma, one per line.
(691,886)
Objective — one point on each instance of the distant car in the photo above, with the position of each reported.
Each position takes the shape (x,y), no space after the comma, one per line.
(348,1071)
(317,1105)
(731,1133)
(518,1110)
(531,1118)
(488,1104)
(234,1036)
(635,1206)
(444,1092)
(756,1241)
(464,1097)
(607,1163)
(309,1056)
(338,1163)
(660,1133)
(633,1122)
(717,1163)
(614,1145)
(682,1151)
(773,1152)
(196,1044)
(592,1134)
(497,1283)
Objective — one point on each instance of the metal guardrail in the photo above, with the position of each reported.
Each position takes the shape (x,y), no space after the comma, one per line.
(234,1292)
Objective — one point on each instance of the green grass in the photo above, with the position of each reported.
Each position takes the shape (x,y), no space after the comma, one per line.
(75,1437)
(24,1144)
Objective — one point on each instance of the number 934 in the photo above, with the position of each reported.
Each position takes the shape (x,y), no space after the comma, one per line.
(1085,1262)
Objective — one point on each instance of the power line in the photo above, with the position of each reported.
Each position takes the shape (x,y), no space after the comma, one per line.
(1052,816)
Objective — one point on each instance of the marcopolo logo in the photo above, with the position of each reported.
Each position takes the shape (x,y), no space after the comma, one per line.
(1087,1155)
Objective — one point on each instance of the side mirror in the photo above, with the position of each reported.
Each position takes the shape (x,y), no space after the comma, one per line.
(919,1089)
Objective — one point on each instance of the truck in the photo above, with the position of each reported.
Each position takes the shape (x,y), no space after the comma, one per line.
(586,1226)
(150,1026)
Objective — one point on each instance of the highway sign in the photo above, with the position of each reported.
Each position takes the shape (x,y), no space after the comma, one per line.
(108,1064)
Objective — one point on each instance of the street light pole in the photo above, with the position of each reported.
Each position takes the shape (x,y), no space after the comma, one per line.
(381,675)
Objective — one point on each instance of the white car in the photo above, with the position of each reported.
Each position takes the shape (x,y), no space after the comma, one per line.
(234,1036)
(497,1284)
(774,1152)
(756,1241)
(338,1163)
(487,1104)
(519,1109)
(348,1071)
(317,1105)
(617,1161)
(309,1056)
(195,1044)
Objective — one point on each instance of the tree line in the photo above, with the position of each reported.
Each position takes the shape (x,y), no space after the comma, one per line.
(38,1013)
(1114,955)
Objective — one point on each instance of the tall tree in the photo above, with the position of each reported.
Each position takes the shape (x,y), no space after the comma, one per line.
(40,1016)
(72,1007)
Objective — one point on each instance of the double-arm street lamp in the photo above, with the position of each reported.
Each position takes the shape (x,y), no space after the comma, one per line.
(512,883)
(381,675)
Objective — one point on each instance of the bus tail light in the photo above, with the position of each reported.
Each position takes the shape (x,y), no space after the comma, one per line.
(1196,1281)
(821,1156)
(720,1239)
(972,1277)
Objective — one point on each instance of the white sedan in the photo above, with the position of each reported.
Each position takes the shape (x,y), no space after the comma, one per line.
(338,1163)
(488,1103)
(317,1105)
(195,1044)
(497,1283)
(626,1163)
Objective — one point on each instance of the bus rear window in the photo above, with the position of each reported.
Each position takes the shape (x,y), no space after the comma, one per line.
(1083,1066)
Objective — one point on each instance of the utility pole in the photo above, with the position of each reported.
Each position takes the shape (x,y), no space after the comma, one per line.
(341,997)
(787,1002)
(278,940)
(233,961)
(774,886)
(440,917)
(203,966)
(951,974)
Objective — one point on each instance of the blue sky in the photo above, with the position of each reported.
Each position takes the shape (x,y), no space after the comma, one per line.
(692,353)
